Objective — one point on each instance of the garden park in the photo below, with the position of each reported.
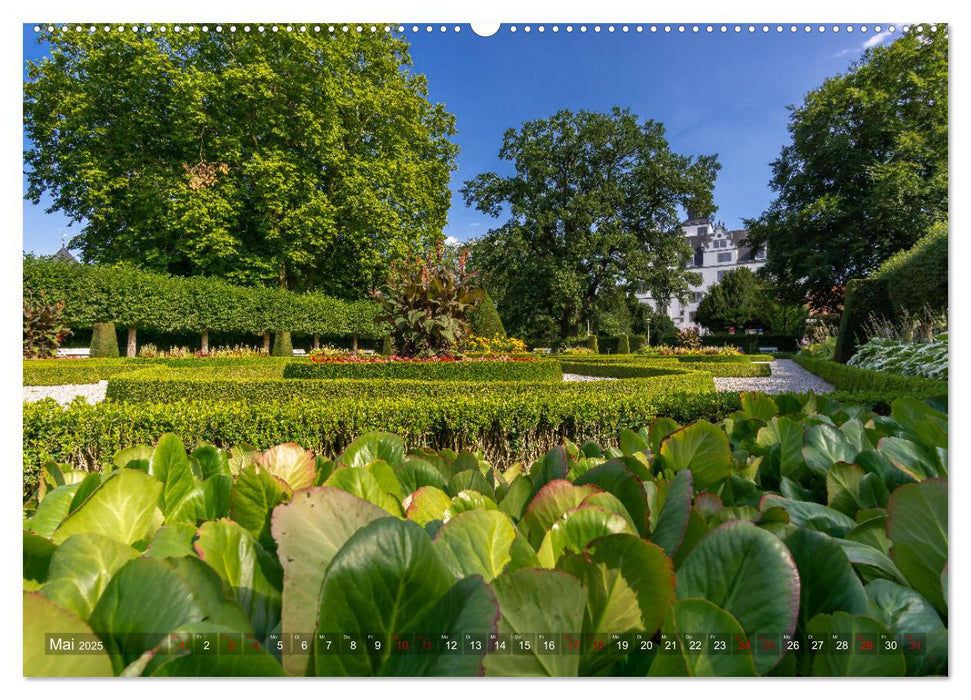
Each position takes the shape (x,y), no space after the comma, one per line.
(308,456)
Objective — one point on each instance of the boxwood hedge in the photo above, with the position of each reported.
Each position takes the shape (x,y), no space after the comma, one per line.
(470,370)
(848,378)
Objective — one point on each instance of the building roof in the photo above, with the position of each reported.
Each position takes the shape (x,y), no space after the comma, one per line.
(64,255)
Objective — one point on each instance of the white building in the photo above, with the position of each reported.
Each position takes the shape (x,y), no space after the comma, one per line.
(717,252)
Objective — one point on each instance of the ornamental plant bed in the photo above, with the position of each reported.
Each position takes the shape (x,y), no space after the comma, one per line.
(792,518)
(438,368)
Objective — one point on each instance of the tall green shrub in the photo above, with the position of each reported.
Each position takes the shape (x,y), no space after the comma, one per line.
(864,299)
(591,341)
(104,340)
(282,344)
(623,345)
(485,319)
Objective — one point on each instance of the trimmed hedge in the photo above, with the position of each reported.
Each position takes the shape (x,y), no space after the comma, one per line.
(847,378)
(507,427)
(864,298)
(162,385)
(907,281)
(750,344)
(128,296)
(466,370)
(918,276)
(633,366)
(91,371)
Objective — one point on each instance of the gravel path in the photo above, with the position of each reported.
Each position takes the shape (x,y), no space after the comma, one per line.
(65,393)
(786,376)
(584,378)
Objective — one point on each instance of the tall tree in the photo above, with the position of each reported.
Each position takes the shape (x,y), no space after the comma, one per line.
(736,300)
(295,158)
(593,203)
(865,174)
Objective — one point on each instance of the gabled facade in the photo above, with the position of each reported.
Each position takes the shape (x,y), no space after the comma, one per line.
(717,251)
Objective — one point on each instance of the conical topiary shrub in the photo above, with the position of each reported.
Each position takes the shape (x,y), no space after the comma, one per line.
(485,319)
(282,344)
(623,345)
(592,343)
(104,340)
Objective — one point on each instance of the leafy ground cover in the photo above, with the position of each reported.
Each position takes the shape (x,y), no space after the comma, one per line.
(789,522)
(929,360)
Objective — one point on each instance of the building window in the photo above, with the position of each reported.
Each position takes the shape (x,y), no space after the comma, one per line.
(724,257)
(702,230)
(699,256)
(722,273)
(691,317)
(699,296)
(760,255)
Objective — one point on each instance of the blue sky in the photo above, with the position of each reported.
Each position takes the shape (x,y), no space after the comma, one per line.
(715,93)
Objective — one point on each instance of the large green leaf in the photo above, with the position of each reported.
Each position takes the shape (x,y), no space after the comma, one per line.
(630,584)
(659,429)
(123,508)
(901,609)
(516,499)
(917,526)
(469,607)
(673,519)
(309,531)
(41,617)
(614,477)
(537,600)
(476,542)
(878,662)
(922,421)
(372,446)
(383,581)
(750,574)
(172,540)
(915,459)
(359,482)
(81,568)
(182,496)
(695,618)
(701,447)
(871,558)
(38,552)
(149,598)
(469,500)
(234,554)
(824,447)
(52,511)
(138,457)
(758,406)
(576,529)
(549,504)
(290,463)
(416,472)
(843,487)
(254,495)
(827,582)
(814,516)
(428,504)
(782,438)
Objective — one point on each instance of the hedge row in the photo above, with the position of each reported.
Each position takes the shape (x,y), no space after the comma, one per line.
(507,427)
(907,281)
(91,371)
(847,378)
(156,385)
(592,366)
(750,344)
(469,370)
(127,296)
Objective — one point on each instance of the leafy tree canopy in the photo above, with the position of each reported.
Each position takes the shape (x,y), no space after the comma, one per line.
(593,203)
(740,300)
(865,174)
(299,159)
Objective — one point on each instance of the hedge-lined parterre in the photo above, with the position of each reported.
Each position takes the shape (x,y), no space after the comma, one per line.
(472,369)
(90,371)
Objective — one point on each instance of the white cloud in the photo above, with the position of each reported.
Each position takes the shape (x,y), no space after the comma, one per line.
(451,240)
(876,40)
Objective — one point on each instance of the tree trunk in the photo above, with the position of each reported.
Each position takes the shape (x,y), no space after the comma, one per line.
(354,344)
(316,341)
(205,342)
(266,342)
(132,350)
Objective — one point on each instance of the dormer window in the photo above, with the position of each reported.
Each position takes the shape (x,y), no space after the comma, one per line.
(702,230)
